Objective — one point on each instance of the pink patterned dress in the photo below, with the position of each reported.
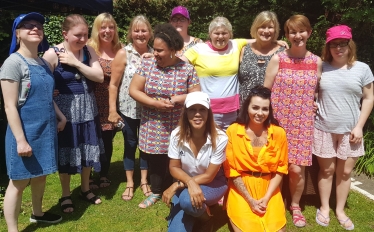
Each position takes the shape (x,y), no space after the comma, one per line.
(292,100)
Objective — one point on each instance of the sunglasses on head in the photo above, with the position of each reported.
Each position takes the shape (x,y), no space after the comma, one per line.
(30,26)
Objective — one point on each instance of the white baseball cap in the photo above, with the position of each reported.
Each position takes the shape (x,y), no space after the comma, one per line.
(197,98)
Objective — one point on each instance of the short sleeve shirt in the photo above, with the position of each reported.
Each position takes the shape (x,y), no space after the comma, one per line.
(339,95)
(162,83)
(192,165)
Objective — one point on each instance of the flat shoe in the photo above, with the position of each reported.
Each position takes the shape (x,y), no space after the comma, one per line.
(322,223)
(92,200)
(297,217)
(128,194)
(148,190)
(105,183)
(63,207)
(343,222)
(149,201)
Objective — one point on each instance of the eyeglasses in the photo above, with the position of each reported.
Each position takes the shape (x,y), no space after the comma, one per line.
(181,19)
(30,26)
(341,44)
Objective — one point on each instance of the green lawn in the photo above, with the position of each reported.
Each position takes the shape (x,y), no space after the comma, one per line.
(116,215)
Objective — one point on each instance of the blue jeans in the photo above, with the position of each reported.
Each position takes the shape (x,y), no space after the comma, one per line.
(183,216)
(130,135)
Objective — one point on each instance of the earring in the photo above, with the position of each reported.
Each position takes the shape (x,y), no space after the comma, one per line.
(171,56)
(17,40)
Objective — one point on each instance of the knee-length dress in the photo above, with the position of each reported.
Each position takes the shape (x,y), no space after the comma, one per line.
(241,157)
(80,143)
(292,100)
(38,119)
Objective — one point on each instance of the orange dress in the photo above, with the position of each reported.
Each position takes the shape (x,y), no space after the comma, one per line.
(241,157)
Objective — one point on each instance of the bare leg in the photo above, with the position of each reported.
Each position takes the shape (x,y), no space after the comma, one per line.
(85,183)
(145,187)
(283,229)
(343,182)
(37,192)
(325,177)
(65,185)
(12,203)
(296,182)
(129,191)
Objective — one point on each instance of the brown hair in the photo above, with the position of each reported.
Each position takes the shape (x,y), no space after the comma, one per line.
(94,41)
(185,128)
(297,22)
(352,53)
(73,20)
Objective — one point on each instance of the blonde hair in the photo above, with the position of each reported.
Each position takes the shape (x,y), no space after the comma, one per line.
(263,18)
(139,19)
(220,22)
(297,22)
(73,20)
(94,41)
(352,53)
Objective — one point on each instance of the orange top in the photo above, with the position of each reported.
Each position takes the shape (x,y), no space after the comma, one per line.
(273,157)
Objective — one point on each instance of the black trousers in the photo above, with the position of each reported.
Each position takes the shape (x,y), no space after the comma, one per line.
(159,174)
(107,136)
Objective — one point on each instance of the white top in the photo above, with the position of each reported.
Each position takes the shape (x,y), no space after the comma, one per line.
(196,166)
(340,91)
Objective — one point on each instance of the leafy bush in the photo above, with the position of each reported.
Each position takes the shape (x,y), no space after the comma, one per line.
(2,194)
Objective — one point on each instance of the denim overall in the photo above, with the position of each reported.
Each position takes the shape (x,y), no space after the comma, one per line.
(38,121)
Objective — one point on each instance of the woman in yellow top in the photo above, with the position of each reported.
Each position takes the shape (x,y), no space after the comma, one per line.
(256,159)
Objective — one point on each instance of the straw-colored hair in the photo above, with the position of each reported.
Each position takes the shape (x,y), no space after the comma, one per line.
(94,41)
(134,22)
(263,18)
(221,22)
(73,20)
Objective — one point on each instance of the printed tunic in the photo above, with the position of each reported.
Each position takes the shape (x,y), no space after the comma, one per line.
(161,83)
(292,100)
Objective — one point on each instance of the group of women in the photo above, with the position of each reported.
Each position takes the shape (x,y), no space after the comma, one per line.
(179,101)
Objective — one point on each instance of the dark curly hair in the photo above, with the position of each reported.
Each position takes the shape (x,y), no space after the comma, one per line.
(262,92)
(170,36)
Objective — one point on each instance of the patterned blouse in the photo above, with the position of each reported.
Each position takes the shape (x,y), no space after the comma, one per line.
(156,126)
(102,95)
(186,47)
(128,106)
(251,72)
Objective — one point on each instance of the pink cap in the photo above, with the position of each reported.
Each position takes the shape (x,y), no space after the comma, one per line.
(338,32)
(180,10)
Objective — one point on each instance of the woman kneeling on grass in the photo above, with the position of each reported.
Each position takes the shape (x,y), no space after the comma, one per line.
(196,152)
(256,161)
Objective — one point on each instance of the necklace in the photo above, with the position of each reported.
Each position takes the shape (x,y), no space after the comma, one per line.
(77,74)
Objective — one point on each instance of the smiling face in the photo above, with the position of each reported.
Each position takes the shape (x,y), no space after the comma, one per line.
(106,32)
(258,110)
(219,37)
(30,31)
(180,23)
(266,32)
(77,36)
(161,52)
(298,36)
(197,116)
(140,34)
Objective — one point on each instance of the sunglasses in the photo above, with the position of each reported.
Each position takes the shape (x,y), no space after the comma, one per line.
(181,19)
(30,26)
(341,44)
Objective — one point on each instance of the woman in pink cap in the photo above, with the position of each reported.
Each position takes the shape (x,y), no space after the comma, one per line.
(339,120)
(180,19)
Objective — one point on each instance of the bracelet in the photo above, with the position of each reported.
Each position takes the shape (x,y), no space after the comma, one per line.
(171,101)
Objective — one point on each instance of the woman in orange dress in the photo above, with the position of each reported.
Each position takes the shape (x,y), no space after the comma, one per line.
(256,159)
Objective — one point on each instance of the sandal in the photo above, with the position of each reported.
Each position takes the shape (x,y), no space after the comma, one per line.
(92,200)
(344,222)
(297,217)
(147,189)
(67,205)
(93,185)
(129,197)
(104,182)
(326,220)
(150,200)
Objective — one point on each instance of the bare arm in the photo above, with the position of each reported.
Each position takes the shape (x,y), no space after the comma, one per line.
(241,54)
(118,67)
(61,119)
(182,97)
(254,204)
(366,107)
(10,94)
(271,71)
(276,179)
(51,57)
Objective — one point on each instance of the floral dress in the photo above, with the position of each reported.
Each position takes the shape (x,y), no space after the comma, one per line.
(292,100)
